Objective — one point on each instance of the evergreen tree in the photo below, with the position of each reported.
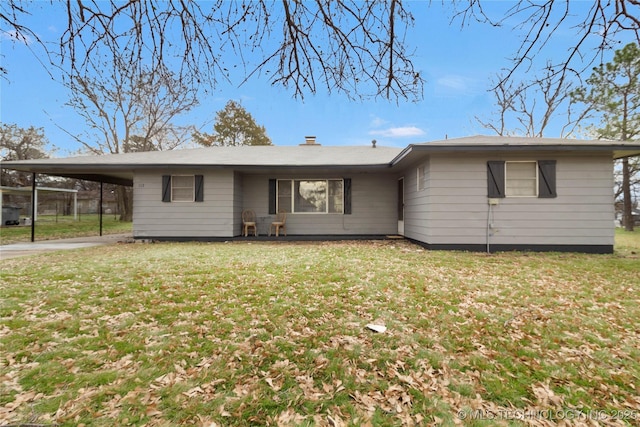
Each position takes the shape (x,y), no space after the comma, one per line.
(234,126)
(613,93)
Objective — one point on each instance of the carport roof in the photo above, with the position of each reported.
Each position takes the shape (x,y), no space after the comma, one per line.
(263,155)
(118,168)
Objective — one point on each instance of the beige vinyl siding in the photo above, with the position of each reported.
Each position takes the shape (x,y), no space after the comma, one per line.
(214,217)
(238,187)
(457,204)
(416,209)
(372,205)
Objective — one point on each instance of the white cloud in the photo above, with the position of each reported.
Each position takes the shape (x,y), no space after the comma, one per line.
(399,132)
(456,83)
(377,122)
(453,85)
(15,36)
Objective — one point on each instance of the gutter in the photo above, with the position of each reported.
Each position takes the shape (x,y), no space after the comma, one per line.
(402,155)
(629,150)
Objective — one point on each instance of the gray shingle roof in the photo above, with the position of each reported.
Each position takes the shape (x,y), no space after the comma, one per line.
(520,141)
(120,167)
(305,155)
(518,144)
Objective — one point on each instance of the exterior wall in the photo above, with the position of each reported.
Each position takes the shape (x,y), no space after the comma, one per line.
(454,208)
(227,193)
(373,205)
(417,202)
(451,210)
(214,217)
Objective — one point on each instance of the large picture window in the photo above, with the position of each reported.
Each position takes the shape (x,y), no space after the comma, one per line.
(311,195)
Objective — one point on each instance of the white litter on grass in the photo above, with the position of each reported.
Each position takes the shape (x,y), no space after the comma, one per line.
(377,328)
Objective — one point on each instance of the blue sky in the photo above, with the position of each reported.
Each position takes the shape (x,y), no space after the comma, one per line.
(457,64)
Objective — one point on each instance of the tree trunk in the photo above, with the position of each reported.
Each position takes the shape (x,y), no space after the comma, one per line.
(125,203)
(627,211)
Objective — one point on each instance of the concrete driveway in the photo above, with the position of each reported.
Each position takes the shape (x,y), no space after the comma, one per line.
(14,250)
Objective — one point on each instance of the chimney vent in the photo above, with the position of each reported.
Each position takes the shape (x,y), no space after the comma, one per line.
(373,143)
(310,140)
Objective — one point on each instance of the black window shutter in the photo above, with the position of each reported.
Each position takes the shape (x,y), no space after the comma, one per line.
(199,182)
(166,188)
(495,178)
(347,196)
(272,196)
(547,179)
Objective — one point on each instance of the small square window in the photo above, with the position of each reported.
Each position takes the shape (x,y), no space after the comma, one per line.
(521,179)
(182,188)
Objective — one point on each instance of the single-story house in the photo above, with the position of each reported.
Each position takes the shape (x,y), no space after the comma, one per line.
(475,193)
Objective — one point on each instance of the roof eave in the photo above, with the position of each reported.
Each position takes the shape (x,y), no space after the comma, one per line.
(122,174)
(617,151)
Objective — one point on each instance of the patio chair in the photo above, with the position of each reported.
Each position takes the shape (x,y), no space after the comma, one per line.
(249,221)
(279,223)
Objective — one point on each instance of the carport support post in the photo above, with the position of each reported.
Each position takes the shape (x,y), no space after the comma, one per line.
(34,202)
(100,210)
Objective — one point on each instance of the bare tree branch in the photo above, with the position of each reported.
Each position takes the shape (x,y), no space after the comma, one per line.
(125,103)
(599,26)
(351,46)
(518,104)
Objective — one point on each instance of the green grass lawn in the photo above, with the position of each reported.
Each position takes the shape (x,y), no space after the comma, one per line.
(50,227)
(275,334)
(627,242)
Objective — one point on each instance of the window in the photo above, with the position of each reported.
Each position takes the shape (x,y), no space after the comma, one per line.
(310,195)
(284,195)
(182,188)
(336,196)
(421,176)
(521,179)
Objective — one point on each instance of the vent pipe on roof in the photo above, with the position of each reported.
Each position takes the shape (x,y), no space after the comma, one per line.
(373,143)
(310,140)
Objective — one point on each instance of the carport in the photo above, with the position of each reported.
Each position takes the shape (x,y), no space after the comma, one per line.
(85,172)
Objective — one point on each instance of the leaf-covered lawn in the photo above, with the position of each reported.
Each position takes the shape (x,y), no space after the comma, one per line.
(64,227)
(275,334)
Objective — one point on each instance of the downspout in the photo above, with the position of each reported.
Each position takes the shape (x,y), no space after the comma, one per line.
(489,227)
(100,208)
(34,202)
(491,202)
